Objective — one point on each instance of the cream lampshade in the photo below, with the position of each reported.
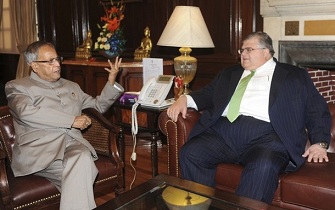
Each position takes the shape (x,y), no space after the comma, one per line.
(186,29)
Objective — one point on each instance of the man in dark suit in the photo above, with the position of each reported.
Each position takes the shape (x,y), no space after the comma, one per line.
(280,109)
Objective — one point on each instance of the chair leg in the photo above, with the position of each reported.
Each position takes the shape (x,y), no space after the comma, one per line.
(121,175)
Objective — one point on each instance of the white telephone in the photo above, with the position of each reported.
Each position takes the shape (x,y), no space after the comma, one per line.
(154,92)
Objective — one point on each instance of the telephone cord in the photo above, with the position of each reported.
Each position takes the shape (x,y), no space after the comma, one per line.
(134,130)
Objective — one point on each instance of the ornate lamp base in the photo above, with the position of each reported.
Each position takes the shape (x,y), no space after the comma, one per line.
(185,66)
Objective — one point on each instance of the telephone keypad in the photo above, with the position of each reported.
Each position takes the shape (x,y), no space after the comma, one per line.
(152,93)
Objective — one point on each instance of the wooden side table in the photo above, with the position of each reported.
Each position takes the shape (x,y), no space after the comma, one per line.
(92,77)
(147,119)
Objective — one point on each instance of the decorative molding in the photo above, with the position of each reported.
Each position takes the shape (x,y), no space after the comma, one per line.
(308,54)
(278,8)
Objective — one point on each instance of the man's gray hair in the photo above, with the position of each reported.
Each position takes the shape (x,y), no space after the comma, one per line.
(31,53)
(264,40)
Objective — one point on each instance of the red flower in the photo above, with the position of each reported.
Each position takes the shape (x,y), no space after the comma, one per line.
(113,16)
(113,24)
(110,27)
(113,10)
(178,82)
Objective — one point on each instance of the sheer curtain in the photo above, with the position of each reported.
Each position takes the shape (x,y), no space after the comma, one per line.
(24,19)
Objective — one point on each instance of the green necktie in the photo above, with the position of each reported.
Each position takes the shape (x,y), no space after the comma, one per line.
(235,101)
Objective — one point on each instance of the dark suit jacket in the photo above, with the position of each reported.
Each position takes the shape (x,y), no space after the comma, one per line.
(295,107)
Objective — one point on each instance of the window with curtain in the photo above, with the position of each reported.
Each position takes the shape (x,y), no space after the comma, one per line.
(7,37)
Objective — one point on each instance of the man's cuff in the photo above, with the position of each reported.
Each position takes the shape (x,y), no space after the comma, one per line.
(190,102)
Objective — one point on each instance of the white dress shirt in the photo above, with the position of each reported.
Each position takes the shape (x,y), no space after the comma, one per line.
(255,101)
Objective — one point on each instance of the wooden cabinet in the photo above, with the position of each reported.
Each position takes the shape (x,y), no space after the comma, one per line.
(92,76)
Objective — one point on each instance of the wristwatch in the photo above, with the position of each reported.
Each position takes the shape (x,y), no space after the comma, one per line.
(324,144)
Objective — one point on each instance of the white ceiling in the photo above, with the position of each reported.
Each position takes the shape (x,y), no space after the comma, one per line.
(280,8)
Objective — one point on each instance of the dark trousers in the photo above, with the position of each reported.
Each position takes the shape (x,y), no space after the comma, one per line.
(247,141)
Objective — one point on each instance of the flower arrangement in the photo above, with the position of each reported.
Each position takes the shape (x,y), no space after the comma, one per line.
(111,38)
(178,87)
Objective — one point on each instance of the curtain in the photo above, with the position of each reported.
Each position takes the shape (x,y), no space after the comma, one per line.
(24,20)
(1,5)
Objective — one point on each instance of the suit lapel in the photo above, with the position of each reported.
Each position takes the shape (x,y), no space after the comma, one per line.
(278,77)
(227,90)
(235,77)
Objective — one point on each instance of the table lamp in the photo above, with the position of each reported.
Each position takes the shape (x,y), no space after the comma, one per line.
(186,28)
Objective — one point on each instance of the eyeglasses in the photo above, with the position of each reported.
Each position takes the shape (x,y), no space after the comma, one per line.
(249,50)
(52,61)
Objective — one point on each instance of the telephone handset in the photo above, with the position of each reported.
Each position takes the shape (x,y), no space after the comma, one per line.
(155,90)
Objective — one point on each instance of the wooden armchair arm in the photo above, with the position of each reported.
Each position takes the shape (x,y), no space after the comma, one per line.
(103,136)
(4,186)
(2,154)
(177,134)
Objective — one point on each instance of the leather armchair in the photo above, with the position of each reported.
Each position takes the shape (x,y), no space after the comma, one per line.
(34,192)
(310,187)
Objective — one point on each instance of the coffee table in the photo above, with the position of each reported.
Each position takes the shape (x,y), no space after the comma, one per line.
(148,196)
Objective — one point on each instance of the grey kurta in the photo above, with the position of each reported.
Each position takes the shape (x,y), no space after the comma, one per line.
(43,114)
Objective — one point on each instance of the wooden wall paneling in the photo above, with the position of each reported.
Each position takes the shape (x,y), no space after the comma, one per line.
(66,26)
(64,23)
(217,16)
(91,79)
(222,22)
(228,21)
(187,2)
(75,73)
(251,20)
(151,13)
(138,15)
(99,77)
(8,66)
(95,12)
(80,24)
(131,79)
(46,30)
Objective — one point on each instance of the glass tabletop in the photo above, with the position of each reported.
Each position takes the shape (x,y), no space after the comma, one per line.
(165,192)
(167,197)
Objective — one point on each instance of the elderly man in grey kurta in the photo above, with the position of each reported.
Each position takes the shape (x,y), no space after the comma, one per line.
(48,120)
